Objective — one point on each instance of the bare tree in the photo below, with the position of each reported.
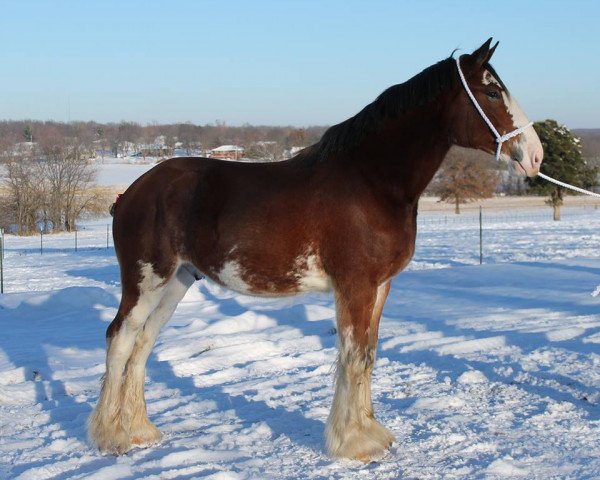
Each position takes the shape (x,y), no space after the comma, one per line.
(51,186)
(25,203)
(69,176)
(188,135)
(464,176)
(266,151)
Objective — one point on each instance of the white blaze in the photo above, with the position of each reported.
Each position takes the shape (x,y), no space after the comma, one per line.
(527,141)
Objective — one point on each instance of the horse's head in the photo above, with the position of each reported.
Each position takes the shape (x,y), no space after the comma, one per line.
(519,144)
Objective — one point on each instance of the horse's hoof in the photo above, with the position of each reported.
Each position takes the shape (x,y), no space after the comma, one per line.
(366,444)
(143,442)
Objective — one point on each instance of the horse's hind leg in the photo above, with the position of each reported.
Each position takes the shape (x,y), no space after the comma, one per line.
(352,431)
(142,291)
(134,417)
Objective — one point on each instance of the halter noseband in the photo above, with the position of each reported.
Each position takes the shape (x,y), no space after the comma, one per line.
(500,139)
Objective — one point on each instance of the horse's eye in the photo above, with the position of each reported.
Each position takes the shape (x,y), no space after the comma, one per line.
(493,94)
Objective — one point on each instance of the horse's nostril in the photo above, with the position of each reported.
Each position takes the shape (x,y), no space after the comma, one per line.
(516,155)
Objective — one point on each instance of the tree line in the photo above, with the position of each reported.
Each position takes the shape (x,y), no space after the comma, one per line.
(115,139)
(50,167)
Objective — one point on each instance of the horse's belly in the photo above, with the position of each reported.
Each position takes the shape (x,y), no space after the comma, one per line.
(304,274)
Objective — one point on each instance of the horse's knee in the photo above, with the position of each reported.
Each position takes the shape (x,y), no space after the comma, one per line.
(131,317)
(114,327)
(129,300)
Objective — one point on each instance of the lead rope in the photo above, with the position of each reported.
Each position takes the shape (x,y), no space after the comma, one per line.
(566,185)
(503,138)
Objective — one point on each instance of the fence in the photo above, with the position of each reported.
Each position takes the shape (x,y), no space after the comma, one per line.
(443,239)
(496,236)
(86,237)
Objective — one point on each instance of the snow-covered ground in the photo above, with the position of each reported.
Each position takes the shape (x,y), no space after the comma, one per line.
(488,371)
(120,174)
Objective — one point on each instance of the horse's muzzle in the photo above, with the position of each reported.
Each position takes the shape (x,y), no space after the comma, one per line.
(527,159)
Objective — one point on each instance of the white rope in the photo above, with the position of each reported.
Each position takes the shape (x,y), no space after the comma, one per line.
(566,185)
(500,139)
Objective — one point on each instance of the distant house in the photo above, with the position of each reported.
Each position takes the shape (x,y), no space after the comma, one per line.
(160,151)
(227,152)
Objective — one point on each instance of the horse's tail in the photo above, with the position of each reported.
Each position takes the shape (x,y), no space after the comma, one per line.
(113,206)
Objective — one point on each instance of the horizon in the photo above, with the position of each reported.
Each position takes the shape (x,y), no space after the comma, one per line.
(269,63)
(207,124)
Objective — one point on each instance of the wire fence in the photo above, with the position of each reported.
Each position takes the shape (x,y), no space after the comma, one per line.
(95,236)
(99,235)
(86,237)
(503,216)
(443,239)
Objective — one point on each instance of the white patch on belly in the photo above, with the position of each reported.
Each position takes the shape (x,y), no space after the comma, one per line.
(310,274)
(230,275)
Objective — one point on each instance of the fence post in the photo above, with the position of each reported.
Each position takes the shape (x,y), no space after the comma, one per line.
(2,260)
(480,235)
(75,239)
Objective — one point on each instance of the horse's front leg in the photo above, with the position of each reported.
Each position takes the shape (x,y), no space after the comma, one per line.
(352,431)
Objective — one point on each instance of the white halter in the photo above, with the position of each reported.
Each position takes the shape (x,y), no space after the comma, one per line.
(503,138)
(500,139)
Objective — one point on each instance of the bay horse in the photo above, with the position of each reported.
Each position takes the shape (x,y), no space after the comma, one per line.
(340,216)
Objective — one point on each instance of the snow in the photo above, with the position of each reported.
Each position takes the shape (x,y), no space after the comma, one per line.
(120,174)
(488,371)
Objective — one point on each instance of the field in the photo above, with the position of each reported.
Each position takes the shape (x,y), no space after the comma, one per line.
(483,371)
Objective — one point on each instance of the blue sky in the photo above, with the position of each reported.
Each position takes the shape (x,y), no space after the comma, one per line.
(281,62)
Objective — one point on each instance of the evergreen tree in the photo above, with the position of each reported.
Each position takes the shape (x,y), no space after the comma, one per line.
(562,160)
(28,134)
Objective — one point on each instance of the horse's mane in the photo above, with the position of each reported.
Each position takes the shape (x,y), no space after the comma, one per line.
(393,102)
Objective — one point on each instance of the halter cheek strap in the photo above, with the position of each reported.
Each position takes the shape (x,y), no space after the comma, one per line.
(500,139)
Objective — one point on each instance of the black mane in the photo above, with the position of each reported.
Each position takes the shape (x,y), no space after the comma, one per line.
(393,102)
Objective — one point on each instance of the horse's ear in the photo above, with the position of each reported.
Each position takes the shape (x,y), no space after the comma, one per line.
(491,52)
(483,53)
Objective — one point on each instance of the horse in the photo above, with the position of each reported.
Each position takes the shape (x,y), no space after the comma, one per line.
(340,216)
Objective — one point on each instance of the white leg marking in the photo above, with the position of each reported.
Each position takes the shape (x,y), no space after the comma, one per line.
(134,417)
(352,431)
(105,424)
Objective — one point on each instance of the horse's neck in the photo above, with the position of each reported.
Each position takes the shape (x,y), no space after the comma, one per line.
(406,154)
